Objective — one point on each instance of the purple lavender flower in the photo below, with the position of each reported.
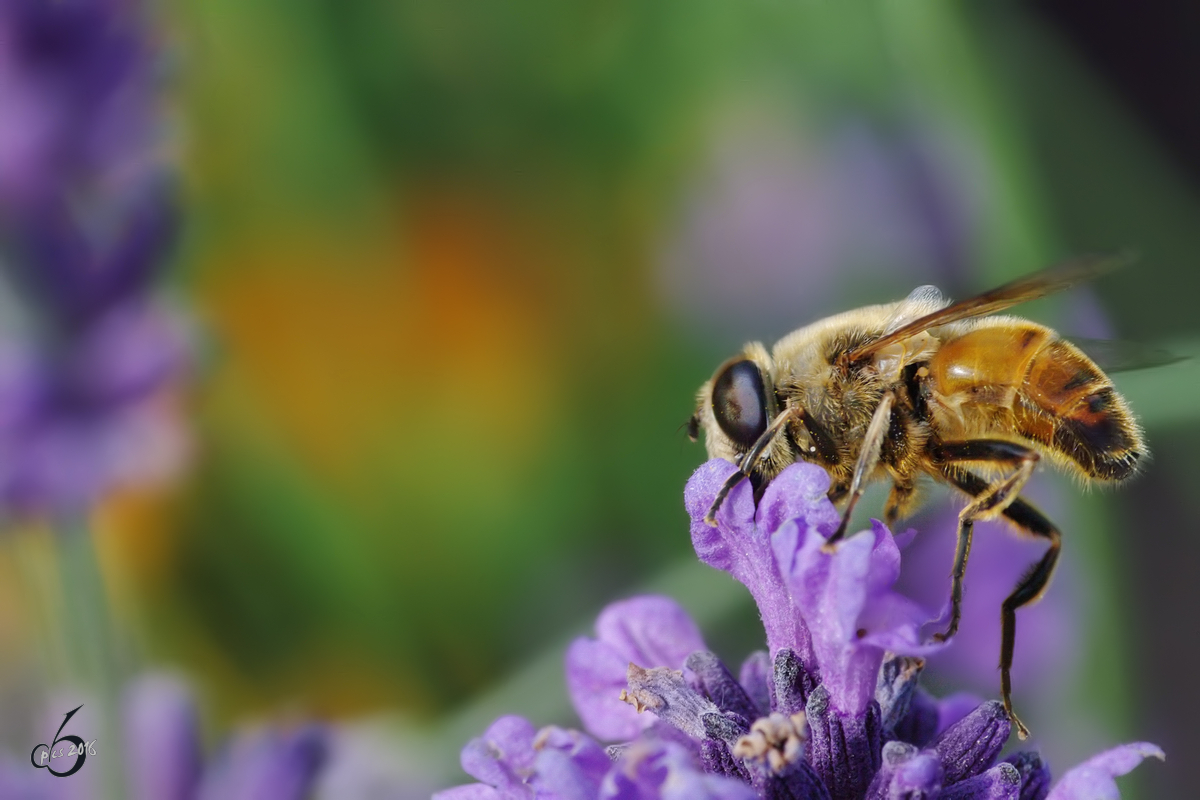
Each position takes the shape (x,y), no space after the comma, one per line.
(654,631)
(781,219)
(159,710)
(85,228)
(75,96)
(82,401)
(164,760)
(513,761)
(831,710)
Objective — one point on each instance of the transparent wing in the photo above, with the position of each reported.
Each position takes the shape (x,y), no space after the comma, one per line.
(921,302)
(1115,355)
(1039,284)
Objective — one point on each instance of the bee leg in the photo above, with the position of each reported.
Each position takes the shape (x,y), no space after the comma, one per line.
(1032,585)
(868,459)
(823,449)
(747,463)
(899,503)
(989,501)
(1028,590)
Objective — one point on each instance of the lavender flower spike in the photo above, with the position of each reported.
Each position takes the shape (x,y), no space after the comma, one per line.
(87,224)
(75,80)
(827,714)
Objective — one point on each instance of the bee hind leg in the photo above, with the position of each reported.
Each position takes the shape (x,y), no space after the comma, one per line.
(1028,590)
(990,500)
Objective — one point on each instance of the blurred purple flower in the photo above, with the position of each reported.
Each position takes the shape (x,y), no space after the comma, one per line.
(165,762)
(266,765)
(1093,779)
(832,712)
(76,80)
(781,221)
(164,759)
(162,733)
(84,383)
(82,402)
(72,279)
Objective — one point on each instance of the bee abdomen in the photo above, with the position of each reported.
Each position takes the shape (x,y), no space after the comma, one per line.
(1101,436)
(1070,405)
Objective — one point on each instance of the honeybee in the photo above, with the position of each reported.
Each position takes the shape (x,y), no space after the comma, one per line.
(926,387)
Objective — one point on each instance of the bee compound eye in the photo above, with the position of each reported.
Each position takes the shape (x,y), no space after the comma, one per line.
(739,402)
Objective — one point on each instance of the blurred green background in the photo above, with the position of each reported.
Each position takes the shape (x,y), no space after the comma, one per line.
(459,268)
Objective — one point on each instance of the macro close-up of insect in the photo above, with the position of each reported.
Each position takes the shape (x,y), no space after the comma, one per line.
(347,352)
(927,388)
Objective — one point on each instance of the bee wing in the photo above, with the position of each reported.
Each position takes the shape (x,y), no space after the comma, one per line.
(1116,355)
(1052,279)
(921,302)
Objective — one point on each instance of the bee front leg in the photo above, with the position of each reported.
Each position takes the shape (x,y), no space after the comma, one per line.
(868,459)
(749,462)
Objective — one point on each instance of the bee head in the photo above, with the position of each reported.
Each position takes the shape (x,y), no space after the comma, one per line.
(735,407)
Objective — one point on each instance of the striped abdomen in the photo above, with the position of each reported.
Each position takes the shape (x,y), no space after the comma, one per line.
(1058,397)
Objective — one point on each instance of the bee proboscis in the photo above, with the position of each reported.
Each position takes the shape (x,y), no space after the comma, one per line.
(925,387)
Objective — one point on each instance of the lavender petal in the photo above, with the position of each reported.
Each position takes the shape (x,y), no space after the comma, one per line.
(829,583)
(650,630)
(741,547)
(470,791)
(1093,779)
(568,764)
(799,492)
(754,676)
(664,771)
(503,757)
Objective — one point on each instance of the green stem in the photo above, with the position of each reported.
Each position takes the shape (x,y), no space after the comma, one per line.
(90,644)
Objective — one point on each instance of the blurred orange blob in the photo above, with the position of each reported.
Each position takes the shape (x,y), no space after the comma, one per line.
(442,342)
